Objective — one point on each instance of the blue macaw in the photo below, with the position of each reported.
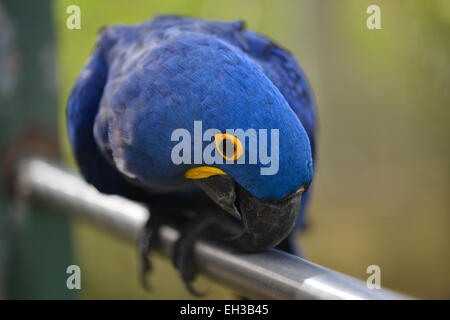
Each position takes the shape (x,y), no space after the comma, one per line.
(147,80)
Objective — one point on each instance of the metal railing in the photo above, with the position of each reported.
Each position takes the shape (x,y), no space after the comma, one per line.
(269,275)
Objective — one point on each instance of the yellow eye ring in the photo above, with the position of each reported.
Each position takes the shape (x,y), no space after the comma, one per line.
(221,138)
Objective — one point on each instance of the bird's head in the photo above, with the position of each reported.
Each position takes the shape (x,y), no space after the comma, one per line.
(219,122)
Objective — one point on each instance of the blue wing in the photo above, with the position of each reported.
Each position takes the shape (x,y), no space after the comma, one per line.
(82,109)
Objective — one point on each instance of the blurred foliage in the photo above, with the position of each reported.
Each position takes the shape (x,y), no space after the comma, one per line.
(382,185)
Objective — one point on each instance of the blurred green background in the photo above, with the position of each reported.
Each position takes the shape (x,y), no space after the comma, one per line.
(381,193)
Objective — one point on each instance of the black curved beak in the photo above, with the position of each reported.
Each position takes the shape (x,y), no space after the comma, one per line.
(266,223)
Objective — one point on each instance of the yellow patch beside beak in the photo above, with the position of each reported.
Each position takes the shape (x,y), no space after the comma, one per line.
(202,172)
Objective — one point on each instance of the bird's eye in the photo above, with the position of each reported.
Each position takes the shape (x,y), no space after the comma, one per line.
(229,147)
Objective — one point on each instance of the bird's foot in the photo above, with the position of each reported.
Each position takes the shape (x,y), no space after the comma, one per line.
(208,225)
(146,243)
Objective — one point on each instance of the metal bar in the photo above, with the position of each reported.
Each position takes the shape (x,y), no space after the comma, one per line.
(269,275)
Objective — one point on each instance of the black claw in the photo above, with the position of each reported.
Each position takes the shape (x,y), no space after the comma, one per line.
(183,256)
(145,244)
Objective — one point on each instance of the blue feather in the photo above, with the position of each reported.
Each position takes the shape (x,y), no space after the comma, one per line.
(146,80)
